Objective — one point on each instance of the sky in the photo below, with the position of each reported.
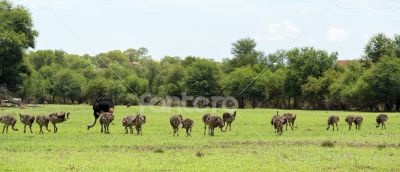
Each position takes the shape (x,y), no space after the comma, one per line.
(207,28)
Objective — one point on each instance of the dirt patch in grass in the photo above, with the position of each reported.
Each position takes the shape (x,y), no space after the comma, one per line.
(381,146)
(234,144)
(305,142)
(159,150)
(328,143)
(155,148)
(365,167)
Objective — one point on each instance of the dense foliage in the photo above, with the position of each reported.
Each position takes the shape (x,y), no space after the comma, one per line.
(16,35)
(303,78)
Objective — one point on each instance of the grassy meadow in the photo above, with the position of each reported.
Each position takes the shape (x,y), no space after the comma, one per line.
(252,144)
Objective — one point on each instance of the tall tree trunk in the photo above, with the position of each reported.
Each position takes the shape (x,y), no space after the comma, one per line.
(277,102)
(254,102)
(342,106)
(289,102)
(398,104)
(388,106)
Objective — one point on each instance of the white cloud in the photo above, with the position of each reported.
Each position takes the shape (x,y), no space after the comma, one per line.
(335,34)
(281,31)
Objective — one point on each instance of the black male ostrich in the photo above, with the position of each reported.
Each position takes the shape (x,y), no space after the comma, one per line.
(101,105)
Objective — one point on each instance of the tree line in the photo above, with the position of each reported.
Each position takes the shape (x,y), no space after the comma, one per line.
(300,78)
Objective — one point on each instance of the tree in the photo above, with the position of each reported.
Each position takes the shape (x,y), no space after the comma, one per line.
(244,53)
(379,46)
(151,71)
(67,84)
(136,54)
(16,35)
(60,57)
(116,89)
(202,78)
(118,71)
(303,63)
(137,84)
(35,88)
(171,60)
(4,93)
(274,87)
(115,56)
(131,99)
(273,61)
(41,58)
(96,88)
(76,62)
(170,80)
(243,46)
(384,80)
(362,95)
(239,83)
(47,75)
(397,45)
(189,60)
(341,90)
(316,90)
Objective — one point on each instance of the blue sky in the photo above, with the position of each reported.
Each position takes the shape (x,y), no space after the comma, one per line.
(206,28)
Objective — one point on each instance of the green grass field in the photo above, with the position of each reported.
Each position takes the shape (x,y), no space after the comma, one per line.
(252,144)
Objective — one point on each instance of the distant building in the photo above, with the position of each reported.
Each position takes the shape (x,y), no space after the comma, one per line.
(343,62)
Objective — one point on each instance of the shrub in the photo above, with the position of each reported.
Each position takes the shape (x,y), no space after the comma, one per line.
(328,143)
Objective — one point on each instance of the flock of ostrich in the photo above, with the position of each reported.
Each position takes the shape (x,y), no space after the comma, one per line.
(104,108)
